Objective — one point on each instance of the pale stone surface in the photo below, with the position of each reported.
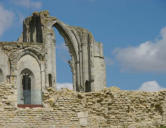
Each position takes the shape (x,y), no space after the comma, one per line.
(83,117)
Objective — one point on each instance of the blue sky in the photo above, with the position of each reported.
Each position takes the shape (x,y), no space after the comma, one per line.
(133,33)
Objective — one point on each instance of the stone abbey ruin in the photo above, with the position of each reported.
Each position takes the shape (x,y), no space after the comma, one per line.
(28,95)
(31,62)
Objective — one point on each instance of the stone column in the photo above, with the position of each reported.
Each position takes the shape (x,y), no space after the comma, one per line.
(91,61)
(85,65)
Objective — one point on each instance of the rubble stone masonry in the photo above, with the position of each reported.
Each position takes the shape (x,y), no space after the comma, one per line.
(109,108)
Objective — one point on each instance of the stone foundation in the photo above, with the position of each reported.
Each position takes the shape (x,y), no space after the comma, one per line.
(109,108)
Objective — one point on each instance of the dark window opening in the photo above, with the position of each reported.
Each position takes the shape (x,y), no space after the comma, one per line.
(87,86)
(1,76)
(26,83)
(50,80)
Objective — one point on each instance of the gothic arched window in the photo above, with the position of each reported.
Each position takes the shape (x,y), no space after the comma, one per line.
(27,82)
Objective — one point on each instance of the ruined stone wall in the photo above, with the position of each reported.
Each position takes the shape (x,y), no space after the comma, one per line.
(109,108)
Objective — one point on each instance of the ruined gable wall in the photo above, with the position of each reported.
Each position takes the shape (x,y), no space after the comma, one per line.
(110,108)
(14,50)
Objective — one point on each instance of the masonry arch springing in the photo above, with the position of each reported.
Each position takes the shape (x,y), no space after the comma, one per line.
(32,52)
(73,47)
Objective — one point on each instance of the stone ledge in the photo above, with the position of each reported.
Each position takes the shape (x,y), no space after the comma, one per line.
(29,105)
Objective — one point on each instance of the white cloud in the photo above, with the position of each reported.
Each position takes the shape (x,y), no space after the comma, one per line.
(6,19)
(28,3)
(151,86)
(64,85)
(148,56)
(109,61)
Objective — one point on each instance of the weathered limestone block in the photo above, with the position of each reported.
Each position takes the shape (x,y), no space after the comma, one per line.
(83,117)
